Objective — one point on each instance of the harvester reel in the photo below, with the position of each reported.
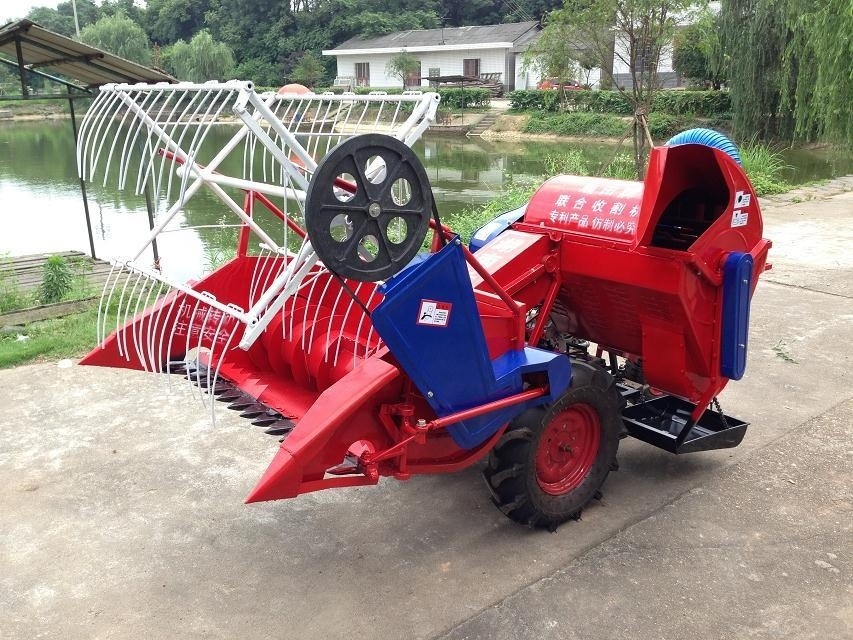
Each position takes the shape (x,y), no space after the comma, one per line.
(368,206)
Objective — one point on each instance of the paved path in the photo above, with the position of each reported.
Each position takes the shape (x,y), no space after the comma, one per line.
(121,512)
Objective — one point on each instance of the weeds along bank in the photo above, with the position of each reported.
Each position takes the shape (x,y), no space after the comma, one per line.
(62,280)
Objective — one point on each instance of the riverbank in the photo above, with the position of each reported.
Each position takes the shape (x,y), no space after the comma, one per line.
(37,109)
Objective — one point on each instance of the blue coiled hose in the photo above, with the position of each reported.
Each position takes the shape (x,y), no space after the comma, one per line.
(709,138)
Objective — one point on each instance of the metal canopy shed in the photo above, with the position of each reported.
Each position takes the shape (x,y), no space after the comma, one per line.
(33,47)
(78,67)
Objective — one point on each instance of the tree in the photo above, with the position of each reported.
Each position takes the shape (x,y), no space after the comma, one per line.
(553,55)
(261,72)
(630,32)
(120,35)
(458,13)
(372,24)
(61,19)
(52,20)
(402,66)
(167,21)
(308,70)
(258,30)
(201,59)
(522,10)
(789,73)
(698,52)
(817,57)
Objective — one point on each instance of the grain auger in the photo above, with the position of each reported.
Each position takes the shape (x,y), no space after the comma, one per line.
(357,329)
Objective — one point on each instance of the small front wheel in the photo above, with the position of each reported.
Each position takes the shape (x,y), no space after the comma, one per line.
(552,460)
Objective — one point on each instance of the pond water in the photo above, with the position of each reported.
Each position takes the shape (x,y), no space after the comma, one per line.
(41,208)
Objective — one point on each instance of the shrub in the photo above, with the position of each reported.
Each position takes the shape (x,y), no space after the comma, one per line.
(576,124)
(451,98)
(663,126)
(572,162)
(534,100)
(700,104)
(57,280)
(622,167)
(465,98)
(469,221)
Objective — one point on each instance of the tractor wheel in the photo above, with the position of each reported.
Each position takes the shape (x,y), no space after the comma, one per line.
(552,460)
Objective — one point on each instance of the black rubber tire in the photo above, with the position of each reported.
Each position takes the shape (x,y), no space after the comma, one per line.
(511,473)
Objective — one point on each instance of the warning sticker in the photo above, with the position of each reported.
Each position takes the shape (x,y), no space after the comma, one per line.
(435,314)
(742,200)
(739,218)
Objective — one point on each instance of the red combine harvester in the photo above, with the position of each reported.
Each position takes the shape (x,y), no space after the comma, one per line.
(602,308)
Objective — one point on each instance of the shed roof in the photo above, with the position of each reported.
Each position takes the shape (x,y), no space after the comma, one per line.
(88,66)
(449,36)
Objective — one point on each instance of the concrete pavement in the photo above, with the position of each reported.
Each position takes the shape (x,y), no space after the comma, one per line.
(121,510)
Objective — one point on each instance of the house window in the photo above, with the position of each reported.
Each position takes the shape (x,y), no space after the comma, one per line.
(434,72)
(362,74)
(413,78)
(647,57)
(471,67)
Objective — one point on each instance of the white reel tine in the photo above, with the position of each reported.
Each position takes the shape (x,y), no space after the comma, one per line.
(126,316)
(104,301)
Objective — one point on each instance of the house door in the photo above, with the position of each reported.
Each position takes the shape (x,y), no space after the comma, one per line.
(413,78)
(362,74)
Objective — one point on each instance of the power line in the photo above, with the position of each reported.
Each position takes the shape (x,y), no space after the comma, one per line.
(517,9)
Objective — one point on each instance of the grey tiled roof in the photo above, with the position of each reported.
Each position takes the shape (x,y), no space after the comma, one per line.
(512,32)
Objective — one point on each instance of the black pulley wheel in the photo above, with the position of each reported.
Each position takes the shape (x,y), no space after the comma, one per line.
(368,207)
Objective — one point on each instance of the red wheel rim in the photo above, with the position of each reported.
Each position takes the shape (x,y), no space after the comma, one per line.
(567,449)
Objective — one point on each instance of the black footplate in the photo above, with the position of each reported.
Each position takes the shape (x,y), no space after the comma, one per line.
(664,421)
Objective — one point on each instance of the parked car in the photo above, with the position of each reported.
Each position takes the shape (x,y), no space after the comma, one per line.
(554,83)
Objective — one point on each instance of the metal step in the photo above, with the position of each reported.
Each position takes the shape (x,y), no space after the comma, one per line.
(664,421)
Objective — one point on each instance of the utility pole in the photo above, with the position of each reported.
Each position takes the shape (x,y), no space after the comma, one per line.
(76,22)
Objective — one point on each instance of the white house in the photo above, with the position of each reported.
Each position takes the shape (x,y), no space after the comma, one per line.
(469,51)
(667,76)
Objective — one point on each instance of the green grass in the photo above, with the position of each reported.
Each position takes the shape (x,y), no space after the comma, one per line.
(574,162)
(71,336)
(580,124)
(11,296)
(62,280)
(512,197)
(68,337)
(764,168)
